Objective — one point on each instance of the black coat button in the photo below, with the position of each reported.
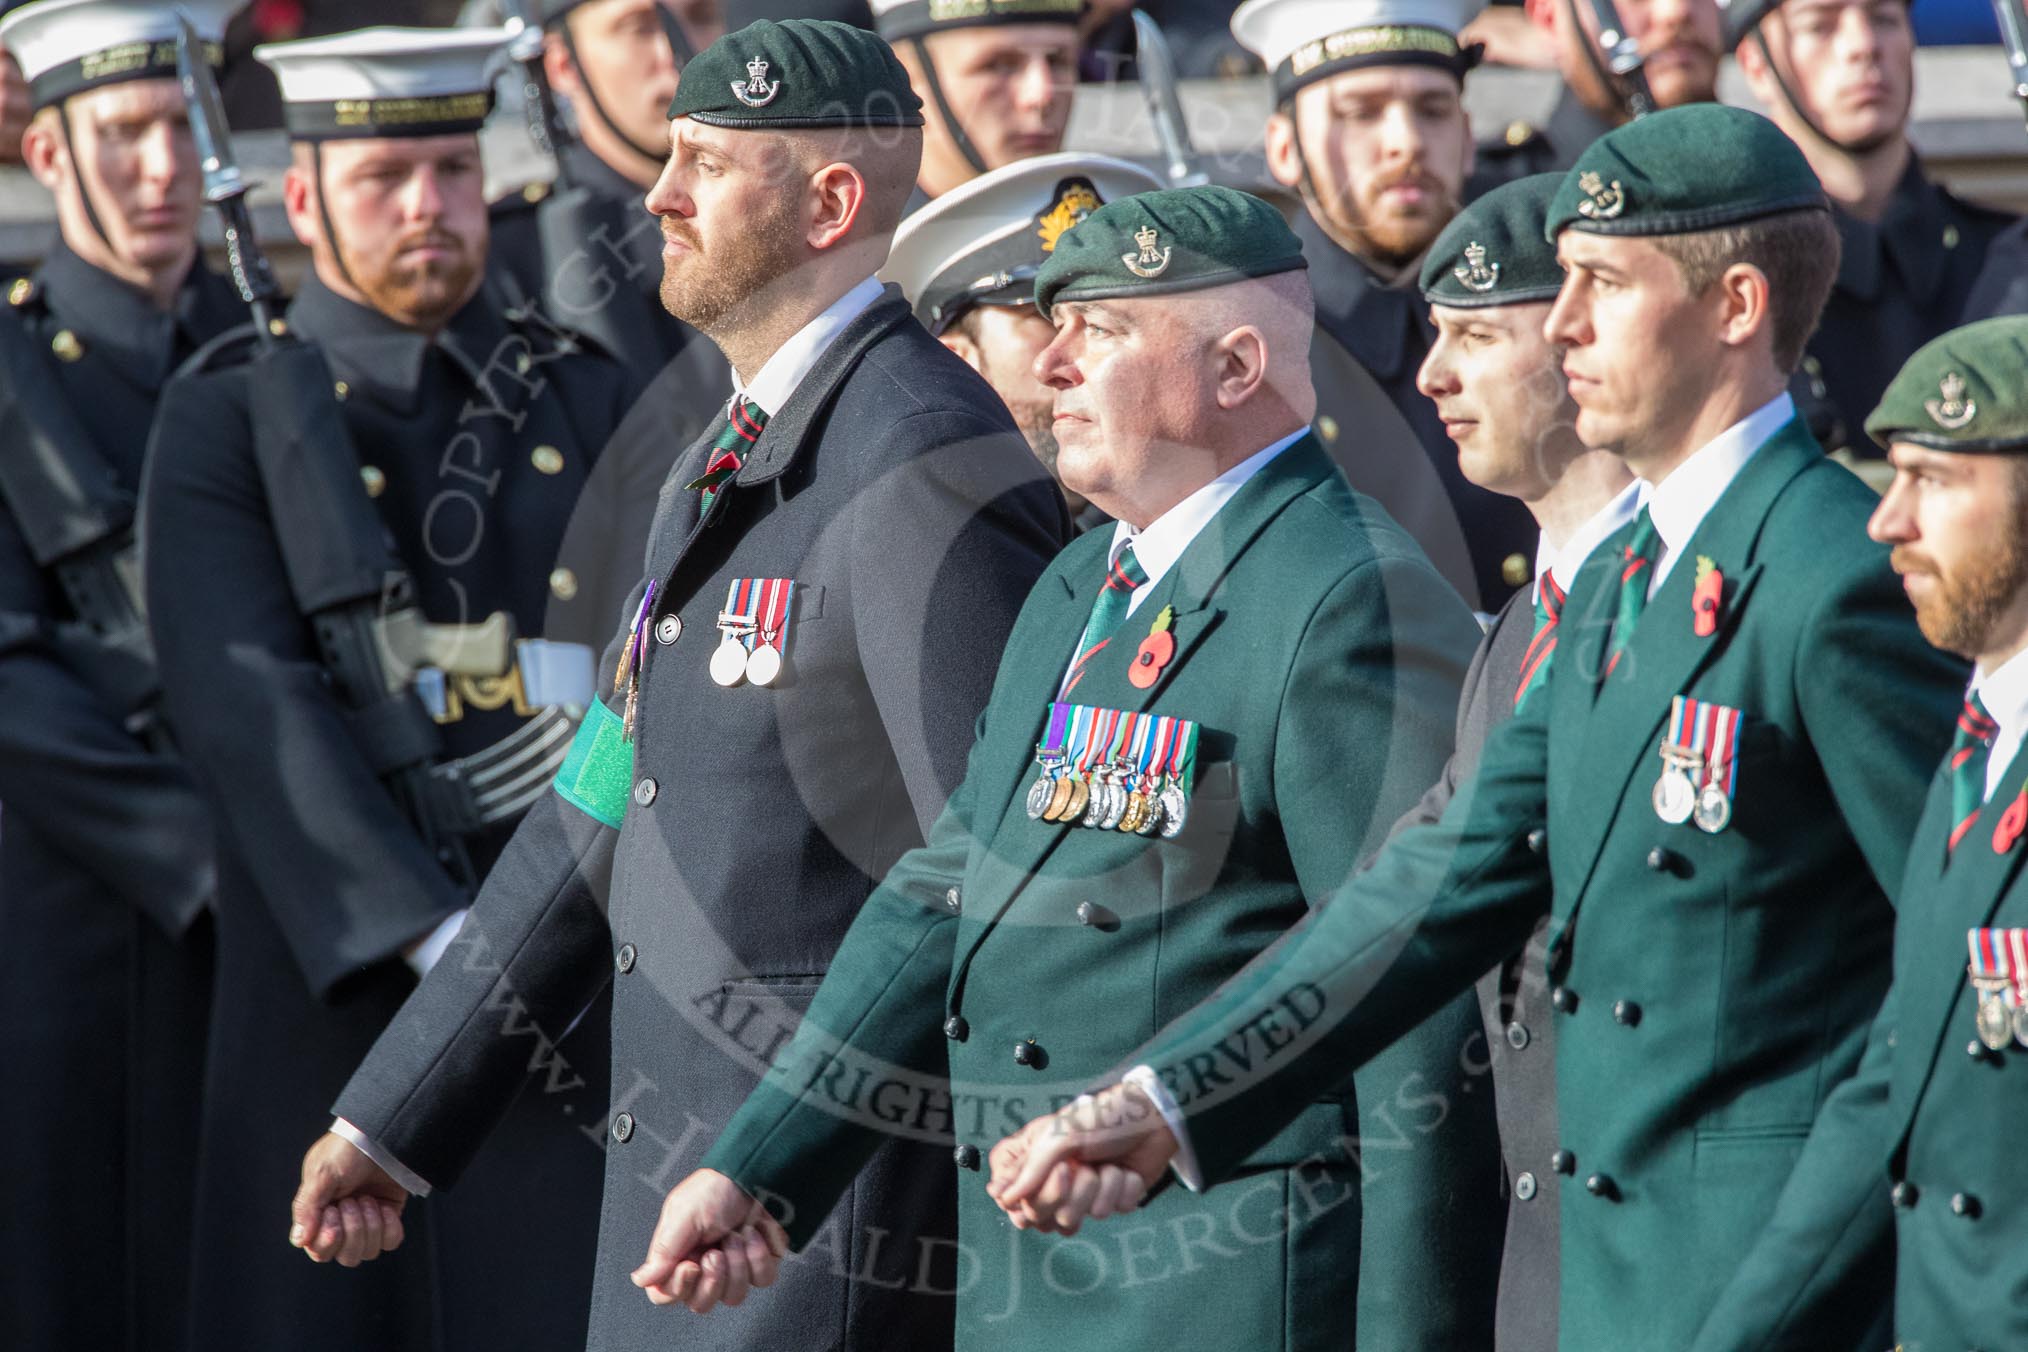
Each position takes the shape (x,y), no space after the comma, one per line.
(623,1128)
(954,901)
(1966,1205)
(1626,1012)
(1027,1054)
(1601,1185)
(1904,1194)
(967,1156)
(1087,914)
(956,1029)
(1524,1187)
(1517,1035)
(1563,1162)
(624,959)
(1563,999)
(1663,860)
(1538,841)
(1976,1050)
(644,792)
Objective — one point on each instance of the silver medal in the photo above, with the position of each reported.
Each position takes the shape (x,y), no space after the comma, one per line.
(1101,797)
(728,664)
(2020,1022)
(1174,806)
(1995,1026)
(1714,810)
(764,664)
(1039,795)
(1675,796)
(1116,801)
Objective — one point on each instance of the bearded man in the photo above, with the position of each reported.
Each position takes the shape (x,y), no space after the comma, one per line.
(1370,129)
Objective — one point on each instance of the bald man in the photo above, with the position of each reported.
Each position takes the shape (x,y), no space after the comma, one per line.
(1206,715)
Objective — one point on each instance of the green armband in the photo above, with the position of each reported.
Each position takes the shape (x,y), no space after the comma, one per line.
(599,771)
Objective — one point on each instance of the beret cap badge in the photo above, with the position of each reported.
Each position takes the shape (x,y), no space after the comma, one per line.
(1477,274)
(1602,203)
(1148,263)
(1953,410)
(755,91)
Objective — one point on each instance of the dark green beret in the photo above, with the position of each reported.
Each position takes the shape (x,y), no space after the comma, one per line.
(1965,391)
(1493,252)
(1175,239)
(1681,170)
(899,20)
(797,73)
(1741,17)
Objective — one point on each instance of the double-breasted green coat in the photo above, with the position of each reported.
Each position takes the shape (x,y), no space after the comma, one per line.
(1320,654)
(1710,989)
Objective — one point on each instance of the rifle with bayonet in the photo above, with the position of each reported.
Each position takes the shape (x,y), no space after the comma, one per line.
(2014,37)
(360,600)
(1622,59)
(1181,164)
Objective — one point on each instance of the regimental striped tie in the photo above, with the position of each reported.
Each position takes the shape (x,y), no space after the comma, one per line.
(1535,665)
(1122,577)
(1637,570)
(1971,748)
(742,429)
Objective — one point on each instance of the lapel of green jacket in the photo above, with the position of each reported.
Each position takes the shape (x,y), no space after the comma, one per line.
(1019,845)
(1620,730)
(1938,905)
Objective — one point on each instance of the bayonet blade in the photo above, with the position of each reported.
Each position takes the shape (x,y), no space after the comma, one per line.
(208,127)
(1181,164)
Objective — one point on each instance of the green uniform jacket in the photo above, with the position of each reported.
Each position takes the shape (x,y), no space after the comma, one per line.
(1711,990)
(1923,1133)
(1321,654)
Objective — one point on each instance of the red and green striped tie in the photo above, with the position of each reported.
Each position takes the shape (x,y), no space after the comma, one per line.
(1124,574)
(1535,664)
(1971,747)
(1637,570)
(743,424)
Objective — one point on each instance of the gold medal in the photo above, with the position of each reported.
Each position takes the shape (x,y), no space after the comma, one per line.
(1080,795)
(1060,799)
(1137,808)
(1151,819)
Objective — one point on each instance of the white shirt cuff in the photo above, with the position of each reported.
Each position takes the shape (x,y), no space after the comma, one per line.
(410,1181)
(432,948)
(1184,1165)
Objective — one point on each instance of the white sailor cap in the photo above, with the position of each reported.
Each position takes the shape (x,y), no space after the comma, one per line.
(386,82)
(983,242)
(65,47)
(1304,41)
(898,19)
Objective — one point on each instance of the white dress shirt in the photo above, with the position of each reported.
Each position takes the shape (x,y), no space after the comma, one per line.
(770,388)
(2004,693)
(1563,564)
(1679,504)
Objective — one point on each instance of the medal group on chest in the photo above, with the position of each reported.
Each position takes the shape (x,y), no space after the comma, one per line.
(1114,770)
(1700,765)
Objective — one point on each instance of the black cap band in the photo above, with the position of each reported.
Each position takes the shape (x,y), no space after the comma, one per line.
(114,65)
(381,119)
(913,18)
(1372,45)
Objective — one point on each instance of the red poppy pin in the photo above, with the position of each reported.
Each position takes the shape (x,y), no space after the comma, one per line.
(1704,601)
(1155,651)
(2012,822)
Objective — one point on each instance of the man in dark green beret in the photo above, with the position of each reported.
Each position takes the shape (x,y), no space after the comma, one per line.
(1206,715)
(1497,383)
(1679,47)
(783,716)
(1924,1132)
(1839,77)
(1369,130)
(1708,797)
